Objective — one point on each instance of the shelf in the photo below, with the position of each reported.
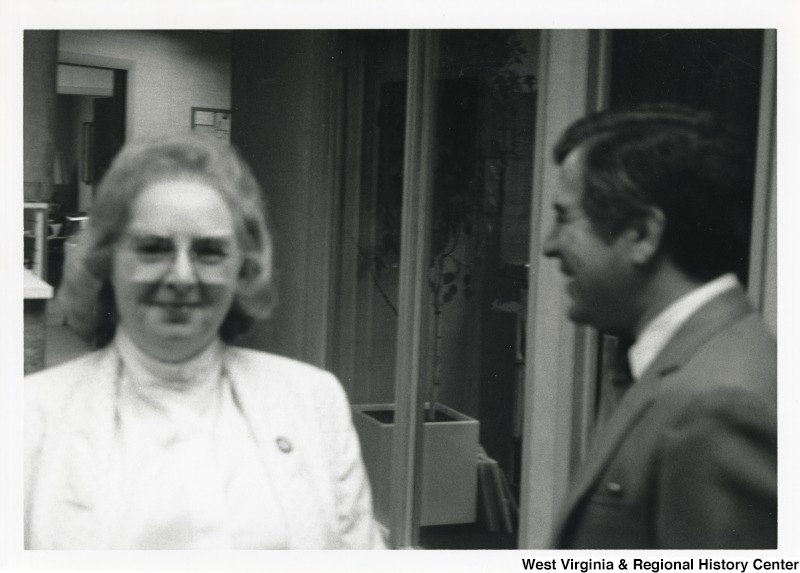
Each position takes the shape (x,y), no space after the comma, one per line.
(35,227)
(36,288)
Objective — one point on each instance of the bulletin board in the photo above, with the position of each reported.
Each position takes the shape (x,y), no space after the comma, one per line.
(213,122)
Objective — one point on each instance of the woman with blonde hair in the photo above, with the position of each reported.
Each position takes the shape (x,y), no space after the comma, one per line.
(168,436)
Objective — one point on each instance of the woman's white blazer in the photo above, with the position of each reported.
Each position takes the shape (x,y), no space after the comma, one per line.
(298,415)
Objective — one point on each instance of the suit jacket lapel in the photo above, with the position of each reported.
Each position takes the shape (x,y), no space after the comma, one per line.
(632,407)
(709,319)
(713,316)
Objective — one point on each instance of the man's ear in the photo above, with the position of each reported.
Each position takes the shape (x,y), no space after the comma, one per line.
(648,233)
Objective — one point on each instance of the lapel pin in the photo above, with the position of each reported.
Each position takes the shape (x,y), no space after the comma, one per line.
(284,445)
(614,488)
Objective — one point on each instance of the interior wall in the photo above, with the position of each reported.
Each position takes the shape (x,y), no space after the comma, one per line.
(171,72)
(283,140)
(39,89)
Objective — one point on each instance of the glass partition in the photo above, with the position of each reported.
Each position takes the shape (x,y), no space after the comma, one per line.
(480,232)
(363,340)
(472,171)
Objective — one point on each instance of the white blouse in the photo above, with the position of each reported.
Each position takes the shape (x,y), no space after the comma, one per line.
(187,473)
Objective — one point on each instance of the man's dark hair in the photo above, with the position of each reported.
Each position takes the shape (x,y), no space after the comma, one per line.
(682,161)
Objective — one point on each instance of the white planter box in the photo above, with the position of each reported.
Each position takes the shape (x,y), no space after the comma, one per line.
(449,464)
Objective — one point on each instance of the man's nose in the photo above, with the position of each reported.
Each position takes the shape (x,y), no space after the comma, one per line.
(550,247)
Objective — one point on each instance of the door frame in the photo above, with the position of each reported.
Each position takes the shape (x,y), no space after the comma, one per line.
(78,59)
(561,359)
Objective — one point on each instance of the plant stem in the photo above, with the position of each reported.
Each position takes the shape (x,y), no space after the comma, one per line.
(375,280)
(437,367)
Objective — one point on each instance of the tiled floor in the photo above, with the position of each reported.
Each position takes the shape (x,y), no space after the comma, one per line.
(61,343)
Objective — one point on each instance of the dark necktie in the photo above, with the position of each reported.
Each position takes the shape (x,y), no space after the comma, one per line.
(623,377)
(617,377)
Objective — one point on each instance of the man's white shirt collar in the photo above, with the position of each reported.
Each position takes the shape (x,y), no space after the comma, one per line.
(660,330)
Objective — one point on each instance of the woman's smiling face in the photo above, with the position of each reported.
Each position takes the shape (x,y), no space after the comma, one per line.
(176,268)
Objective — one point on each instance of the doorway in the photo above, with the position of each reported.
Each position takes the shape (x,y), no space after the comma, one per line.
(89,126)
(91,105)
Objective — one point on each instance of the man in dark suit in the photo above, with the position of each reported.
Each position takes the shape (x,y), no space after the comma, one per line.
(648,233)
